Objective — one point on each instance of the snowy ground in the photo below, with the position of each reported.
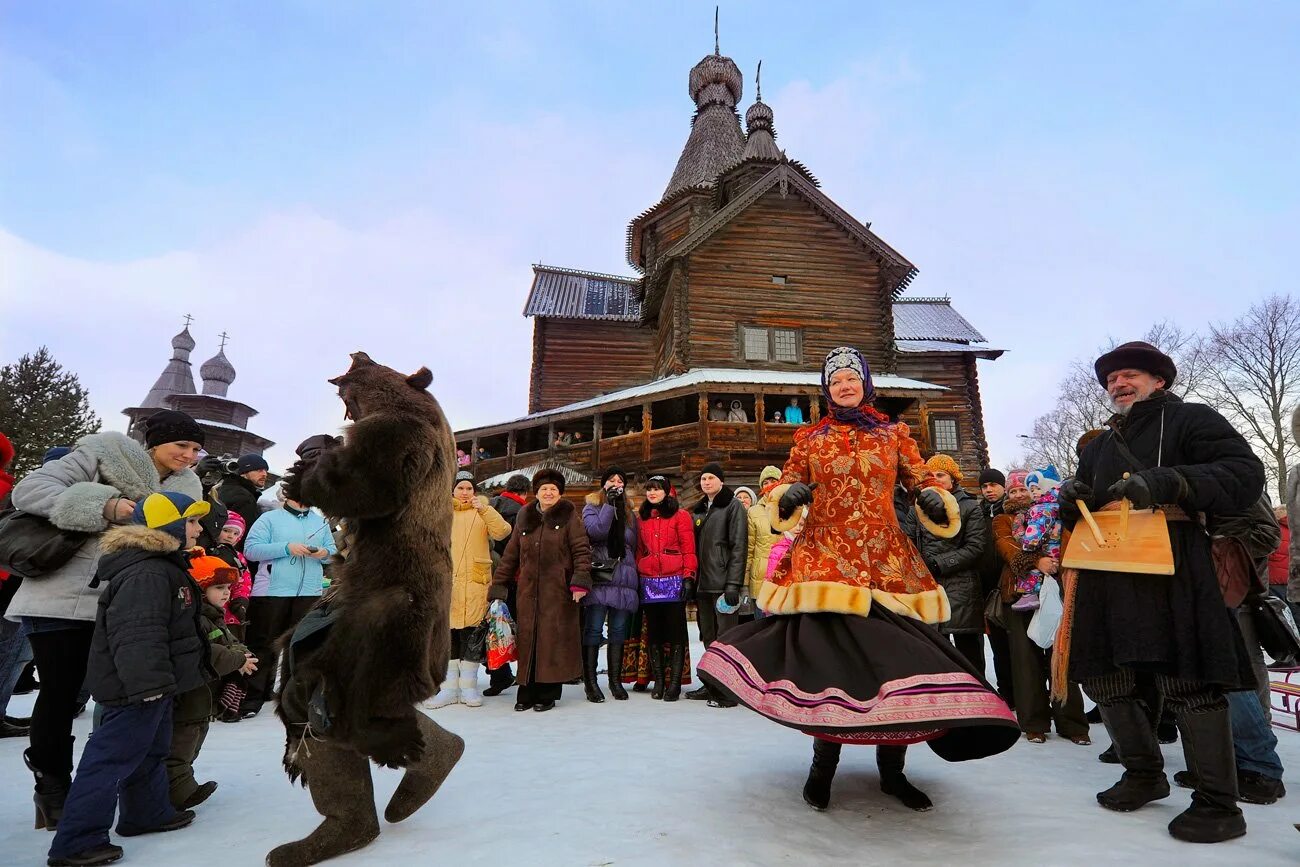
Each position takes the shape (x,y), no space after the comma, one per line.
(644,783)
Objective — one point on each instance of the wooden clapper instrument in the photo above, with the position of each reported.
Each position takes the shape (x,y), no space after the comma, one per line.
(1123,540)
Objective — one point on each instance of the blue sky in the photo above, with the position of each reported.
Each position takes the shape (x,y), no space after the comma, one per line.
(318,177)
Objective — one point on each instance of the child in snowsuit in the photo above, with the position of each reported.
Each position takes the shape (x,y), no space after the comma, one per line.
(193,709)
(1038,530)
(236,614)
(146,648)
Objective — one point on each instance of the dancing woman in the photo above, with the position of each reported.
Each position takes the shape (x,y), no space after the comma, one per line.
(850,655)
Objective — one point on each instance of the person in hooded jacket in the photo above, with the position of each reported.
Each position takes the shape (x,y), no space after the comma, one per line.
(761,537)
(507,504)
(737,413)
(147,647)
(721,545)
(954,560)
(95,486)
(611,526)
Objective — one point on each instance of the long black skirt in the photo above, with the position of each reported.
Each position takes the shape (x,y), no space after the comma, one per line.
(879,679)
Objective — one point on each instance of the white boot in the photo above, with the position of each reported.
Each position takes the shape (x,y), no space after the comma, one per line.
(469,693)
(449,692)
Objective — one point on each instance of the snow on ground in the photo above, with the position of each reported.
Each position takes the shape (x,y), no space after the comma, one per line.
(647,783)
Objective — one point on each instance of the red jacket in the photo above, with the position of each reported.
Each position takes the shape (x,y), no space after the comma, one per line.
(6,479)
(1278,561)
(666,543)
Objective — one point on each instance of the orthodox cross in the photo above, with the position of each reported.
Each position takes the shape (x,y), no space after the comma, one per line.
(758,81)
(224,337)
(716,48)
(188,320)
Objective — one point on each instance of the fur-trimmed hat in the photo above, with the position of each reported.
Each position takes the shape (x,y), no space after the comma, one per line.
(1138,355)
(548,477)
(714,468)
(944,464)
(208,571)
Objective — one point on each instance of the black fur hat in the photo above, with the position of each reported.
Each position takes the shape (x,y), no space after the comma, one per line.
(548,477)
(1139,356)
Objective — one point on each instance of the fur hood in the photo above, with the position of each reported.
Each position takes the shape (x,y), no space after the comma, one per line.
(667,508)
(137,537)
(530,516)
(721,501)
(127,466)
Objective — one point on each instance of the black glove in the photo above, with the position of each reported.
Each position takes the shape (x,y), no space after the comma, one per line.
(797,496)
(614,493)
(688,589)
(732,595)
(932,506)
(1136,489)
(1072,491)
(932,565)
(239,608)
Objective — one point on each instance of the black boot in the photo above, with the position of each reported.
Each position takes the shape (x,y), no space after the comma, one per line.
(1207,745)
(499,680)
(657,670)
(1144,778)
(890,759)
(614,663)
(103,854)
(817,791)
(27,681)
(676,660)
(51,791)
(589,656)
(13,730)
(1108,756)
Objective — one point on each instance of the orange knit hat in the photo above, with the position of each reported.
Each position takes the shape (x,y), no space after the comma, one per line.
(944,464)
(208,571)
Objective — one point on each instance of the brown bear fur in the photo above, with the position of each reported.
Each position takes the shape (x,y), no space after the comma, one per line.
(391,480)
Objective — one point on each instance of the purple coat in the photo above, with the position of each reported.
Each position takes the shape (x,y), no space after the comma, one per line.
(624,592)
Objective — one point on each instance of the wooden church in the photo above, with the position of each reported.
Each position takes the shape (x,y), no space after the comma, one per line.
(748,275)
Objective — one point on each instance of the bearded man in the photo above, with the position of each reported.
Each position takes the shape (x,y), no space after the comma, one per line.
(1171,633)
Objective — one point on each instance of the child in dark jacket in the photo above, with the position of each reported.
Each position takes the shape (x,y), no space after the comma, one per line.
(146,648)
(194,708)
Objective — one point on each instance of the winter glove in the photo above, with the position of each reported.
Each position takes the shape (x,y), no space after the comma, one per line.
(732,595)
(1073,490)
(688,589)
(933,565)
(311,448)
(239,608)
(932,505)
(796,496)
(1136,489)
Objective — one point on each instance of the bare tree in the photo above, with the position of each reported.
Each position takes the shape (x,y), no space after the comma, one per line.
(1252,376)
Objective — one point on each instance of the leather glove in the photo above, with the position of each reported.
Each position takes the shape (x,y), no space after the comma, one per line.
(688,589)
(1136,489)
(1073,490)
(932,565)
(796,496)
(732,595)
(931,504)
(239,608)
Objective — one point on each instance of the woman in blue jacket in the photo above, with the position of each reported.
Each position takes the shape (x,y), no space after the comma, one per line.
(291,546)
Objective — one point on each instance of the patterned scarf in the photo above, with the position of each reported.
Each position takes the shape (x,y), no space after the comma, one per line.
(863,416)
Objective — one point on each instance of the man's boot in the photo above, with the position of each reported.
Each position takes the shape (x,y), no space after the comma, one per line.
(1144,778)
(589,685)
(817,790)
(614,663)
(676,661)
(1207,745)
(342,791)
(442,750)
(890,760)
(657,670)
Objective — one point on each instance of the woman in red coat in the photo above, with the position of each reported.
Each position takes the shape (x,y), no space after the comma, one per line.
(665,560)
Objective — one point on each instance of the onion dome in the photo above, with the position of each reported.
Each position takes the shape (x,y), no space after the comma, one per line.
(716,141)
(218,373)
(177,377)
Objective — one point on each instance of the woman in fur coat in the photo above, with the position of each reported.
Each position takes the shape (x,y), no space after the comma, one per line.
(94,487)
(549,557)
(610,523)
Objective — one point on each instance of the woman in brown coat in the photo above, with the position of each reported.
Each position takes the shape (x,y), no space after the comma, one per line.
(549,557)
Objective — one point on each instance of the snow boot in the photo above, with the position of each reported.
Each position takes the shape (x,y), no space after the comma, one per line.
(614,665)
(182,819)
(1108,756)
(499,680)
(1252,788)
(1026,603)
(469,694)
(657,671)
(1207,745)
(338,780)
(890,760)
(817,790)
(14,729)
(199,795)
(589,656)
(676,660)
(442,750)
(449,691)
(1144,778)
(106,853)
(51,792)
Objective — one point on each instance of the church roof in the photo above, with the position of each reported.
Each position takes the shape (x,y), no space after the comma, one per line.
(177,377)
(564,293)
(932,319)
(217,373)
(716,141)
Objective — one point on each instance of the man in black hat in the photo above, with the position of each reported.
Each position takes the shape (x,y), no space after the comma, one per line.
(239,491)
(1174,633)
(722,548)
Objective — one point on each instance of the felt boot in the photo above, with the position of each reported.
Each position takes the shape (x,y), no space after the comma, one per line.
(1134,738)
(442,750)
(817,790)
(890,760)
(342,791)
(1207,745)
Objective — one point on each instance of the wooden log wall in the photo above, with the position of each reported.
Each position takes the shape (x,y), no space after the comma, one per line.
(955,371)
(577,359)
(833,289)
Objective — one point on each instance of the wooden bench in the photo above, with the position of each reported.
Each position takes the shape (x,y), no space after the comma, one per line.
(1287,701)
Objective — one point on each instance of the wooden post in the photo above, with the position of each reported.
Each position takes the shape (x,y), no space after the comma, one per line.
(645,431)
(510,449)
(814,409)
(760,413)
(550,438)
(597,427)
(704,419)
(923,418)
(473,453)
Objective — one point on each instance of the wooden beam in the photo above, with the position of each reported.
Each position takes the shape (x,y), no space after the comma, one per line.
(704,419)
(596,434)
(645,431)
(760,413)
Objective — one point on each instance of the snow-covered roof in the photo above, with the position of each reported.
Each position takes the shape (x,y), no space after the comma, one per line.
(931,319)
(947,346)
(571,476)
(717,376)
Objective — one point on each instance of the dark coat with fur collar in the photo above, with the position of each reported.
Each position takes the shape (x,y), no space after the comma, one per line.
(547,556)
(721,542)
(387,647)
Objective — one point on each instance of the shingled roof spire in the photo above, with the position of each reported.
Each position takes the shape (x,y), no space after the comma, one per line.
(716,141)
(760,142)
(177,377)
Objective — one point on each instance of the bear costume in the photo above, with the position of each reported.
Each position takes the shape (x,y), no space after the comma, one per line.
(356,666)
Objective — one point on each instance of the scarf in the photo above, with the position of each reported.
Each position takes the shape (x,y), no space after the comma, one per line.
(864,416)
(518,498)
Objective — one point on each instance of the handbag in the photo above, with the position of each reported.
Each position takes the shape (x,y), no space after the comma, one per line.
(1274,627)
(1233,568)
(665,589)
(31,546)
(602,571)
(993,609)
